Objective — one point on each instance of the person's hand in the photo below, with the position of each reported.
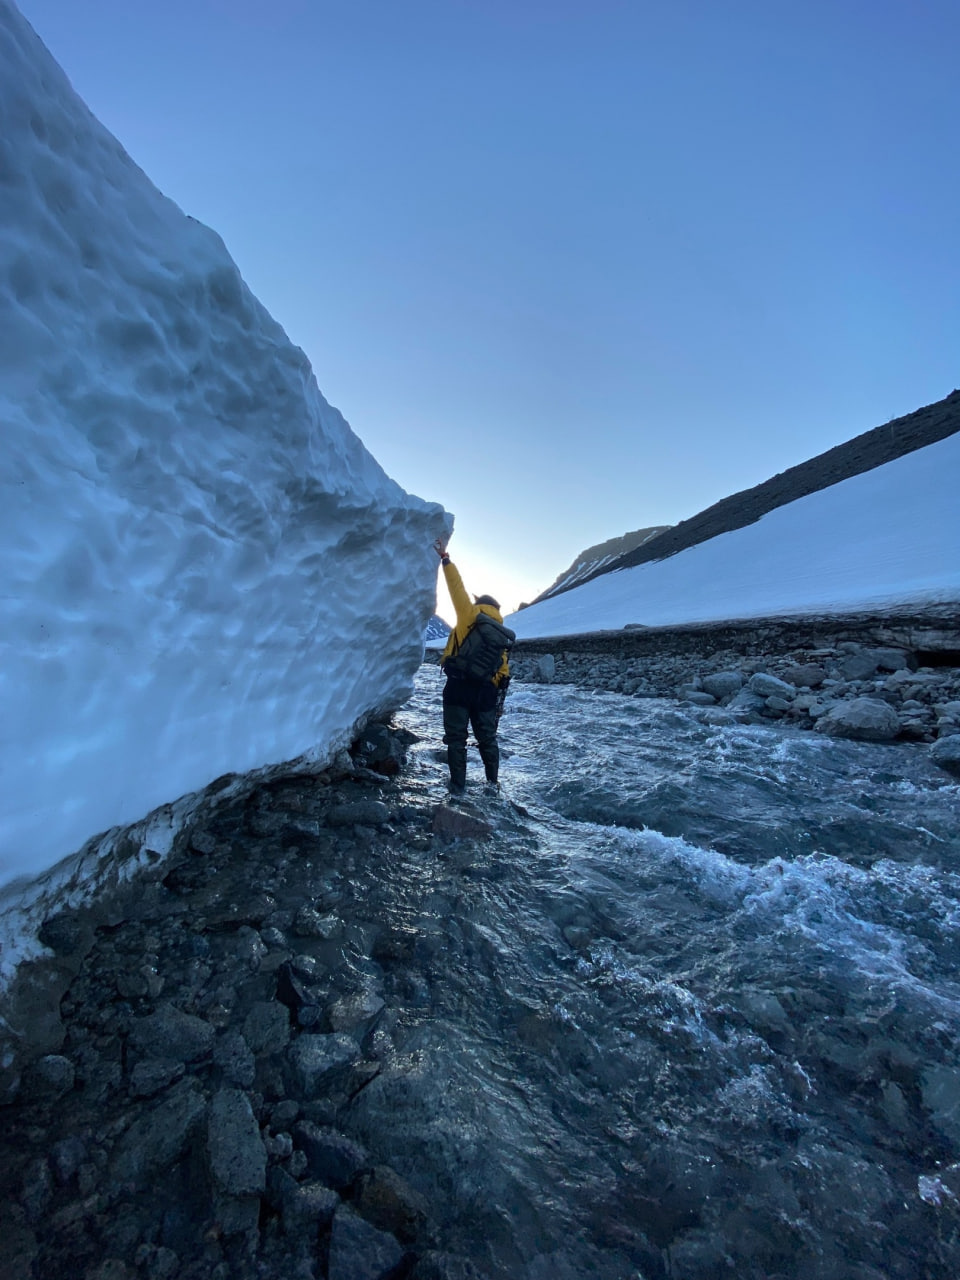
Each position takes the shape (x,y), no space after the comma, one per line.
(439,548)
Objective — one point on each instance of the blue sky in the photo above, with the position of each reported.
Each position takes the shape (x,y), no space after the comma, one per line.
(569,268)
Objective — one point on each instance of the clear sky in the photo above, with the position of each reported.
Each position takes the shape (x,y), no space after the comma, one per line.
(569,267)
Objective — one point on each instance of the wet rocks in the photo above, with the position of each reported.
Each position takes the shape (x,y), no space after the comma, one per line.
(865,719)
(940,1090)
(371,813)
(946,753)
(360,1251)
(451,822)
(766,679)
(331,1157)
(316,1058)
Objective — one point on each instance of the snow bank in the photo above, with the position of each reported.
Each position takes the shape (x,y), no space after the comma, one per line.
(202,570)
(890,536)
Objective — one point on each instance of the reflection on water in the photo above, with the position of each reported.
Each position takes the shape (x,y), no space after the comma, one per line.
(691,1012)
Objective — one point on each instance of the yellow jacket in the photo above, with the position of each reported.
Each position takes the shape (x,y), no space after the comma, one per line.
(466,616)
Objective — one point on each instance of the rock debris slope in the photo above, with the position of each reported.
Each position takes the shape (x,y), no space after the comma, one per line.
(197,555)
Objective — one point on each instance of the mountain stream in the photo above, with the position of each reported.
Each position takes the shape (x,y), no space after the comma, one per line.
(691,1011)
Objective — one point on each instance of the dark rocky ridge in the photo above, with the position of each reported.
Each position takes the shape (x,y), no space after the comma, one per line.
(598,558)
(864,452)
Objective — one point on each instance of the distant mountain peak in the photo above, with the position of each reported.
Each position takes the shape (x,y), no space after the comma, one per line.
(596,559)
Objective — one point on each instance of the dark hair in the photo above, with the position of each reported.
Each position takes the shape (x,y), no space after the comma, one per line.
(486,600)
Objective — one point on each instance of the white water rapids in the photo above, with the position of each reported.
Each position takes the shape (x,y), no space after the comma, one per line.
(691,1011)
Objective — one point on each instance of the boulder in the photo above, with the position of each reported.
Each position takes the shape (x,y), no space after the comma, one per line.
(859,666)
(767,686)
(48,1078)
(940,1091)
(158,1137)
(367,813)
(746,704)
(546,667)
(805,675)
(238,1158)
(153,1075)
(266,1028)
(894,659)
(865,719)
(452,823)
(359,1251)
(171,1034)
(390,1203)
(945,752)
(332,1157)
(722,684)
(315,1058)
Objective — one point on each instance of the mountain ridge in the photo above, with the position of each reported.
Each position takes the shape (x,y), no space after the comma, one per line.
(870,449)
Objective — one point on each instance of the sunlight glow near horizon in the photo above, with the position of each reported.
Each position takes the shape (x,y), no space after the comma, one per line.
(570,269)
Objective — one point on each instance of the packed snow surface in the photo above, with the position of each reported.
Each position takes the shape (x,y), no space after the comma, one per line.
(890,536)
(202,570)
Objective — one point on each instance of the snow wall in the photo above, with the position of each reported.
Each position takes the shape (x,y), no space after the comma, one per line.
(202,570)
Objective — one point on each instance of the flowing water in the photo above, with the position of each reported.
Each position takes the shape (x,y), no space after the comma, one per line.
(690,1011)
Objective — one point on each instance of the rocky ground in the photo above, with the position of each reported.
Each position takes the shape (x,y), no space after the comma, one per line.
(194,1120)
(849,689)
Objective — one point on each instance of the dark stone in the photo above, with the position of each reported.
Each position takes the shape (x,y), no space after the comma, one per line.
(238,1159)
(806,674)
(171,1034)
(316,1058)
(153,1075)
(359,1251)
(308,1204)
(48,1078)
(454,824)
(945,752)
(858,666)
(390,1203)
(232,1055)
(371,813)
(66,1157)
(722,684)
(266,1028)
(332,1157)
(291,990)
(203,842)
(766,686)
(158,1137)
(64,933)
(863,719)
(444,1266)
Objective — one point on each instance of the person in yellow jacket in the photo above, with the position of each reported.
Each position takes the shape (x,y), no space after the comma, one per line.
(470,702)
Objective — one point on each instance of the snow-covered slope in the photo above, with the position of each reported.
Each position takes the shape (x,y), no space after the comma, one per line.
(886,537)
(202,569)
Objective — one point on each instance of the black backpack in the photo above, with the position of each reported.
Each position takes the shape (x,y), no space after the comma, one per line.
(480,655)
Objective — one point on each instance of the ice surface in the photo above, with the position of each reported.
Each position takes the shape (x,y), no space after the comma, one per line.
(202,569)
(890,536)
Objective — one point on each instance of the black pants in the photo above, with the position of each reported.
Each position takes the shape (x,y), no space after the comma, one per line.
(470,703)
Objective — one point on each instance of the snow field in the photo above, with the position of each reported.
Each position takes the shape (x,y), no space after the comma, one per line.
(888,537)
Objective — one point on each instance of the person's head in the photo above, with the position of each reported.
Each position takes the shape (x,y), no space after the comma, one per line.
(495,604)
